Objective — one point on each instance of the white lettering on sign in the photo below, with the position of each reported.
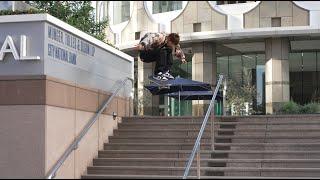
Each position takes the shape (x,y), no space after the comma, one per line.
(9,47)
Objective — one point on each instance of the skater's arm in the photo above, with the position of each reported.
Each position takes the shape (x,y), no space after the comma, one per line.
(179,54)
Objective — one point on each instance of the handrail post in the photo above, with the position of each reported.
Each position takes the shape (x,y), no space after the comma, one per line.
(196,147)
(212,129)
(198,162)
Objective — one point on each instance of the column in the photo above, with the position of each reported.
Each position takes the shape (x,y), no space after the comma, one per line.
(277,74)
(204,69)
(147,103)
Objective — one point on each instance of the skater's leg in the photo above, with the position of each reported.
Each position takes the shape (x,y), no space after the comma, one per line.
(152,56)
(168,62)
(161,63)
(147,56)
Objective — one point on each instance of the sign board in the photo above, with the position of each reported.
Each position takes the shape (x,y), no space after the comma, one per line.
(39,44)
(8,46)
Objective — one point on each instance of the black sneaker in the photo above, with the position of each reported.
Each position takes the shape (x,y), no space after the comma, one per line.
(168,75)
(163,78)
(158,76)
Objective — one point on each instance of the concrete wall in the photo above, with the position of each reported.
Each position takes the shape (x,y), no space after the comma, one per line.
(22,151)
(41,116)
(110,35)
(62,126)
(314,10)
(139,22)
(199,12)
(289,12)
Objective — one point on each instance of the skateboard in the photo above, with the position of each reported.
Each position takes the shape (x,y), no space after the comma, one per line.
(161,84)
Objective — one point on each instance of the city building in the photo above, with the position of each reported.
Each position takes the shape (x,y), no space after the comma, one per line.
(66,98)
(273,45)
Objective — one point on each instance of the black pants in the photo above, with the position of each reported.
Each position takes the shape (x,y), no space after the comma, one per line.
(162,57)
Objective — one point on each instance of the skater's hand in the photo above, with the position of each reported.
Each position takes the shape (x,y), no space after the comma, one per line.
(138,47)
(183,61)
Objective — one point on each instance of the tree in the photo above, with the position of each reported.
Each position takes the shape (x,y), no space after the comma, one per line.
(79,14)
(240,94)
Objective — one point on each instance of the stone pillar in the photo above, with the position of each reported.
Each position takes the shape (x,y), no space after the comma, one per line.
(204,69)
(277,73)
(148,104)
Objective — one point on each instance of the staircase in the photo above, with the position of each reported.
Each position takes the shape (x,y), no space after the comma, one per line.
(245,148)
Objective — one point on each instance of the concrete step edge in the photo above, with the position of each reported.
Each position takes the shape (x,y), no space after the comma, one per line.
(209,160)
(206,151)
(226,117)
(221,137)
(221,123)
(220,129)
(207,168)
(192,177)
(209,144)
(149,151)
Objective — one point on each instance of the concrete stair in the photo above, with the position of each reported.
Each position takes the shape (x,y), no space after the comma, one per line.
(258,147)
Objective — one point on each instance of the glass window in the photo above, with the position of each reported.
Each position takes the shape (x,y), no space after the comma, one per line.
(196,27)
(229,2)
(304,77)
(220,2)
(295,72)
(165,6)
(316,96)
(121,11)
(309,76)
(261,59)
(137,35)
(6,5)
(249,69)
(235,68)
(222,65)
(260,83)
(276,22)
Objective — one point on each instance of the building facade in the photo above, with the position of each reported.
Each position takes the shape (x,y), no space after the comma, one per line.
(54,78)
(270,45)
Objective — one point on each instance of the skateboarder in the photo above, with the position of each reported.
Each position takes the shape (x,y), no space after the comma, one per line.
(159,47)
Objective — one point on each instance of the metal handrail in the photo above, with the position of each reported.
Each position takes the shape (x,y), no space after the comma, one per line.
(196,148)
(52,173)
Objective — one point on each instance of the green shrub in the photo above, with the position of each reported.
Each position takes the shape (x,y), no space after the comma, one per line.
(293,108)
(290,108)
(310,108)
(16,12)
